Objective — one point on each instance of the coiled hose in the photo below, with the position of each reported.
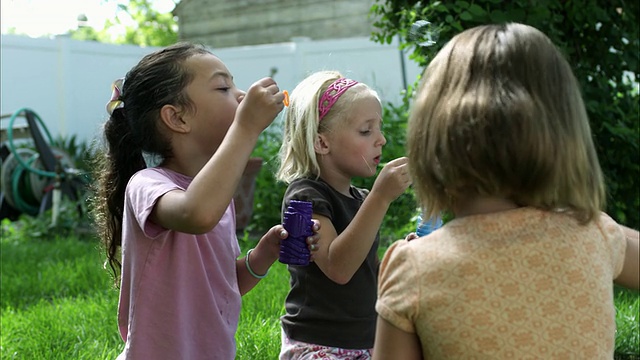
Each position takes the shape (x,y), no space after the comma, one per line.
(23,191)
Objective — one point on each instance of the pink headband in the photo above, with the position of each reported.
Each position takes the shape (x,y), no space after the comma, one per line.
(334,91)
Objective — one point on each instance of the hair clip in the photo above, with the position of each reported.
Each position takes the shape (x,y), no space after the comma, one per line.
(116,91)
(286,97)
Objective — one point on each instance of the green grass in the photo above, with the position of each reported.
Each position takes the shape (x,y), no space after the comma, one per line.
(57,302)
(258,335)
(627,321)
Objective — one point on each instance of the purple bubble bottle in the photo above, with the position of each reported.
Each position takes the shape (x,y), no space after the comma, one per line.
(297,222)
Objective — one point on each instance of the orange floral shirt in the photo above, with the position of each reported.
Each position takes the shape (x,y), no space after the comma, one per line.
(518,284)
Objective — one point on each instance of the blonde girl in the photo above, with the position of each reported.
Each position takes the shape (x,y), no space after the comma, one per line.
(333,134)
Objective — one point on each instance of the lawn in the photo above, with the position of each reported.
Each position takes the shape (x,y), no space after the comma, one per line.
(57,302)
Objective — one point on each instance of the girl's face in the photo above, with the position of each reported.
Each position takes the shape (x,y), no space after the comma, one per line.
(355,146)
(215,99)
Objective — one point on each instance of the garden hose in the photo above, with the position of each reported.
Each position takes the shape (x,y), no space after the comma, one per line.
(16,188)
(23,182)
(12,147)
(23,195)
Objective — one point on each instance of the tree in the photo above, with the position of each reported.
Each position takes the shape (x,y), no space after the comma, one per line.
(85,33)
(152,28)
(598,37)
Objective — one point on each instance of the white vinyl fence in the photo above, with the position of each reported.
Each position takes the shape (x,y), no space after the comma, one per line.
(67,82)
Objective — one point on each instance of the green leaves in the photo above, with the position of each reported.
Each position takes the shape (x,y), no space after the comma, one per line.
(476,10)
(152,28)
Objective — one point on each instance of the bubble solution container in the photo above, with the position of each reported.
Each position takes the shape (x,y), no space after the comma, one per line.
(427,226)
(297,221)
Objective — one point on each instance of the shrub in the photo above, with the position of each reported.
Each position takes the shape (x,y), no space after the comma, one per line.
(267,199)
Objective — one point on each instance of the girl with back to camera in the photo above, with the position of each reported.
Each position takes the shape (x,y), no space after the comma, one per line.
(499,134)
(181,281)
(332,134)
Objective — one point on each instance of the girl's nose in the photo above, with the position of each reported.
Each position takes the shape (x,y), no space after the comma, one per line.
(382,139)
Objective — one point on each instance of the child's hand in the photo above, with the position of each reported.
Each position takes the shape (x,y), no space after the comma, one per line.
(312,240)
(393,179)
(270,242)
(411,236)
(259,107)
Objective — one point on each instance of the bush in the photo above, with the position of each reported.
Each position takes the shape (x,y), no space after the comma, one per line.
(267,199)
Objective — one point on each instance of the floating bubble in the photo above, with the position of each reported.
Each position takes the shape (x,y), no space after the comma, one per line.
(423,33)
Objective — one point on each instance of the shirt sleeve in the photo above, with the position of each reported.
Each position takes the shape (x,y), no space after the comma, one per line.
(398,288)
(143,191)
(309,190)
(615,241)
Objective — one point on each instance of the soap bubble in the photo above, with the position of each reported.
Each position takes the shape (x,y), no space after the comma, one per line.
(423,33)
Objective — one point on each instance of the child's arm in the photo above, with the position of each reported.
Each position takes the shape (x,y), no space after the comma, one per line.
(265,254)
(260,259)
(630,275)
(199,208)
(340,256)
(393,343)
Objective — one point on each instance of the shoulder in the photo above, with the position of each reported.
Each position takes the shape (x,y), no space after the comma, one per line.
(609,227)
(148,184)
(306,189)
(398,253)
(615,239)
(325,200)
(307,182)
(153,175)
(398,272)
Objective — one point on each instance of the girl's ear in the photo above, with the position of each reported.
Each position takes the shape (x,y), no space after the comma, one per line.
(321,145)
(172,119)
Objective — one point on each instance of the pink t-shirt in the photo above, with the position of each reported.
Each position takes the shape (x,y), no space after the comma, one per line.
(179,295)
(518,284)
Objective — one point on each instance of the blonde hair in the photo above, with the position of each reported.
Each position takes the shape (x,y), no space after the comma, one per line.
(499,113)
(302,124)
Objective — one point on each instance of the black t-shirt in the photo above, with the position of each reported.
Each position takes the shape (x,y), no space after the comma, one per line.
(318,310)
